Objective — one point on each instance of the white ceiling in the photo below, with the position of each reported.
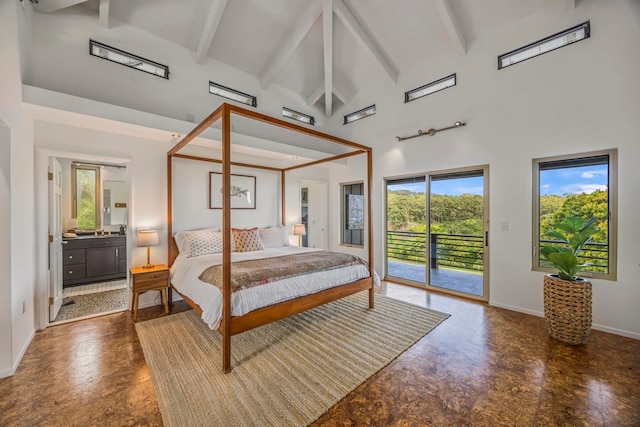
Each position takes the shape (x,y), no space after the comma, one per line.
(369,43)
(326,51)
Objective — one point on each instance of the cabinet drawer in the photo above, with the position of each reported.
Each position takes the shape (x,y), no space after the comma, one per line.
(73,256)
(73,271)
(151,280)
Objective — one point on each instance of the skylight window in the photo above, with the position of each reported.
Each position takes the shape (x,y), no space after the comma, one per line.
(556,41)
(128,59)
(430,88)
(360,114)
(232,94)
(304,118)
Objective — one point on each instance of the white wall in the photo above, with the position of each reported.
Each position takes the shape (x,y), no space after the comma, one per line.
(580,98)
(16,140)
(191,197)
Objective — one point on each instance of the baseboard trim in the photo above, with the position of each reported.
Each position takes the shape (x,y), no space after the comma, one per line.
(9,372)
(594,326)
(516,308)
(615,331)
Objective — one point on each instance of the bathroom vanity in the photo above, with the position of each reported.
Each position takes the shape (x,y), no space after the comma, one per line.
(88,259)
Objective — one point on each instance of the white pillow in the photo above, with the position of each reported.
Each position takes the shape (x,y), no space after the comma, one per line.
(204,242)
(274,237)
(181,241)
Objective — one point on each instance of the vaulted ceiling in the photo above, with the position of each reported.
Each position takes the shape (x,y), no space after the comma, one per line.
(327,51)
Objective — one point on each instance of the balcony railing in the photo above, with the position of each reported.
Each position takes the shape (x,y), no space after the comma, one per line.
(593,253)
(464,251)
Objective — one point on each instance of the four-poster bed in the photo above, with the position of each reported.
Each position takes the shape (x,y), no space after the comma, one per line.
(234,324)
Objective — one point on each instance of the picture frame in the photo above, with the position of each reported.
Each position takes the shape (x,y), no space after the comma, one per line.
(243,191)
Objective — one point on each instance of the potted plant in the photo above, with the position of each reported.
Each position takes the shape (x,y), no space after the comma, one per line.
(567,297)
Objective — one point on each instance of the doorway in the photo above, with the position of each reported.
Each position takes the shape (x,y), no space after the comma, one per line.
(88,241)
(314,211)
(437,231)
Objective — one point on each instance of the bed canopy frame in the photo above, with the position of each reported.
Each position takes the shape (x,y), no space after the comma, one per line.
(231,325)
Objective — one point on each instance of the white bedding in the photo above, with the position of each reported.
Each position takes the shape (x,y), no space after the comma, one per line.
(185,272)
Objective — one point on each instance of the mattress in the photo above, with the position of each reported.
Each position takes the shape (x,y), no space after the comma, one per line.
(185,272)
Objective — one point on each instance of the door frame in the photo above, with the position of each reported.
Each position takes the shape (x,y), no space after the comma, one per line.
(42,222)
(485,231)
(486,202)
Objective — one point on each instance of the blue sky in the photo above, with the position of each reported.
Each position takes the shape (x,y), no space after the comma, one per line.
(451,187)
(583,179)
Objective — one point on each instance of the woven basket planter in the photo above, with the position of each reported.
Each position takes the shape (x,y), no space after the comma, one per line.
(567,309)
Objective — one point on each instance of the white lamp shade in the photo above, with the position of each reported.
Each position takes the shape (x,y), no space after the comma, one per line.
(148,238)
(299,230)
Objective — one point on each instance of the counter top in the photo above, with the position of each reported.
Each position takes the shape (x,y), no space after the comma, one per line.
(91,236)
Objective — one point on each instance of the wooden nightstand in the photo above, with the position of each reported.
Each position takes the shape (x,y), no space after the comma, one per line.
(149,279)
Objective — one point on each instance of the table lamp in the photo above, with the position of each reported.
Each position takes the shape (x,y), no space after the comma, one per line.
(148,238)
(299,230)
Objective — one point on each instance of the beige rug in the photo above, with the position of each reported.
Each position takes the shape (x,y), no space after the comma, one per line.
(287,373)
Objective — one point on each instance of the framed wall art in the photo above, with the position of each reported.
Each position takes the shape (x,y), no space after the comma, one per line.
(243,191)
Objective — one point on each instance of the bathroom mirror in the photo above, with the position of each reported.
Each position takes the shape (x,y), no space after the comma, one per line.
(114,202)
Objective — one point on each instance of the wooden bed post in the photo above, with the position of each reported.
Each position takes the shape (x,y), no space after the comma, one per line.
(283,173)
(370,225)
(170,255)
(226,239)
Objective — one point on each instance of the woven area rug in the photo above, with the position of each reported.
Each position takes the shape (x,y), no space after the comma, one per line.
(287,373)
(94,303)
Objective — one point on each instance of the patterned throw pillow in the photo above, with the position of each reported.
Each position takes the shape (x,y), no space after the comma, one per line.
(274,237)
(181,238)
(205,242)
(247,239)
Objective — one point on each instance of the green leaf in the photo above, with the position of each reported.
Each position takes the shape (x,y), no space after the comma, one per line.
(556,235)
(567,264)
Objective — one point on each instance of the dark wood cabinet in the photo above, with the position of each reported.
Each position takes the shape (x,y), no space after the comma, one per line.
(94,259)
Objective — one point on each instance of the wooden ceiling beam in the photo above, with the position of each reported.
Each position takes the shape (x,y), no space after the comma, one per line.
(210,28)
(351,23)
(451,24)
(327,41)
(345,96)
(303,26)
(315,95)
(104,14)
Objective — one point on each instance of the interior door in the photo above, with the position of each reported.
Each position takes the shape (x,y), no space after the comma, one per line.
(55,231)
(317,213)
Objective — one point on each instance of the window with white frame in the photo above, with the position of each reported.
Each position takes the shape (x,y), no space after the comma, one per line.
(352,214)
(582,185)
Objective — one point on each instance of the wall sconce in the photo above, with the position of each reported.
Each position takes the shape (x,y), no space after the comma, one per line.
(148,238)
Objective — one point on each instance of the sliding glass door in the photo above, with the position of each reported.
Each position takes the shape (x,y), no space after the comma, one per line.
(437,231)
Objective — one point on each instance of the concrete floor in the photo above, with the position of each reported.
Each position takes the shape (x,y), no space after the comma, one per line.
(467,282)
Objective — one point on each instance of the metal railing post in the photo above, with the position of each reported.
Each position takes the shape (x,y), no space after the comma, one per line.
(434,251)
